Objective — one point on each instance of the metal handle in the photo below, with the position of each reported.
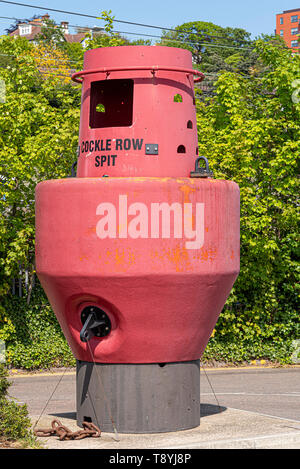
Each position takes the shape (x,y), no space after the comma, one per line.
(201,172)
(73,171)
(91,323)
(152,68)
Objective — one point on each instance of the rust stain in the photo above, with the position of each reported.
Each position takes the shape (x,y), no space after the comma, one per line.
(119,256)
(131,256)
(209,254)
(178,256)
(91,230)
(121,259)
(186,192)
(83,258)
(107,256)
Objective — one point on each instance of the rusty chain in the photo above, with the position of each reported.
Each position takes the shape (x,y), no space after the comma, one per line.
(64,433)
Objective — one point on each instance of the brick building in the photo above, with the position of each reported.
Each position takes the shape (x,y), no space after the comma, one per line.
(288,27)
(30,29)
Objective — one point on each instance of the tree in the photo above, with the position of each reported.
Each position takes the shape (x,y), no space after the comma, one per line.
(249,129)
(250,132)
(39,121)
(50,33)
(38,139)
(210,44)
(74,51)
(109,38)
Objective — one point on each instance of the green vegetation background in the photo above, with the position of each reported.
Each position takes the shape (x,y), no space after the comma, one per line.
(248,128)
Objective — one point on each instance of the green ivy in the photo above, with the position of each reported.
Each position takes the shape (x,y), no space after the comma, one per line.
(15,423)
(250,132)
(34,338)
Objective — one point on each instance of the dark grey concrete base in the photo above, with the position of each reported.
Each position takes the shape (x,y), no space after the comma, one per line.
(140,398)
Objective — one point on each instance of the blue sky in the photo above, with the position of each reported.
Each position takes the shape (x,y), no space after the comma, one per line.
(256,16)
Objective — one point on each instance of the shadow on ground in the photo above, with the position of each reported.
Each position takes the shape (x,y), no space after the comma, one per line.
(205,411)
(210,409)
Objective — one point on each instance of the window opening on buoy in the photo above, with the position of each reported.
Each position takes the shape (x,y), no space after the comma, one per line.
(181,149)
(178,98)
(111,103)
(100,108)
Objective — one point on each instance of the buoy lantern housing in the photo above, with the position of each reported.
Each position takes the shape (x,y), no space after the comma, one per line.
(139,252)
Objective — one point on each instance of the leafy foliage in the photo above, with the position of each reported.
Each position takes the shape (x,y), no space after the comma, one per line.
(33,336)
(110,39)
(38,141)
(14,421)
(212,47)
(249,130)
(50,33)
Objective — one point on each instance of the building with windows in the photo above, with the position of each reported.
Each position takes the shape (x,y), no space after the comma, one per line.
(31,29)
(288,27)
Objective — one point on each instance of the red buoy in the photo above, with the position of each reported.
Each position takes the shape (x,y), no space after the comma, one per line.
(139,252)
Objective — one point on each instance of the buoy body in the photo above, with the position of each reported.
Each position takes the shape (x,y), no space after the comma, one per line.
(136,257)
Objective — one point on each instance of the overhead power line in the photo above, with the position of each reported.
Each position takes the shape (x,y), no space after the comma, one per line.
(48,8)
(205,33)
(8,18)
(96,29)
(206,44)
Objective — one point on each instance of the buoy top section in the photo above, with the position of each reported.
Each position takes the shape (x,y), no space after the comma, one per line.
(138,113)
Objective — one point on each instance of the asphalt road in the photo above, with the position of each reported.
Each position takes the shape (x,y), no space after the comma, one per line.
(270,391)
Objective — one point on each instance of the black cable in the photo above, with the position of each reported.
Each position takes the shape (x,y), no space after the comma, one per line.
(8,18)
(49,399)
(50,9)
(211,387)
